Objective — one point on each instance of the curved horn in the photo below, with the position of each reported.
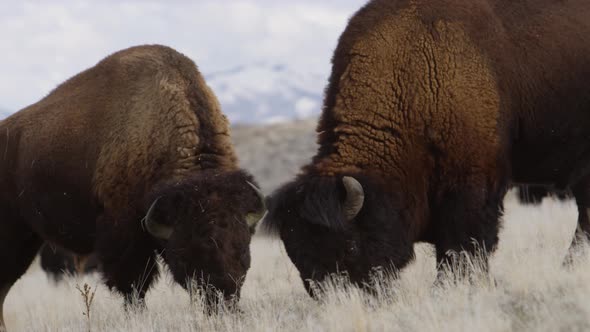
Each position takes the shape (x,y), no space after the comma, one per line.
(355,197)
(155,229)
(253,218)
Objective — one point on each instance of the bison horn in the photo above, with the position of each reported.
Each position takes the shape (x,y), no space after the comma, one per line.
(155,229)
(355,197)
(253,218)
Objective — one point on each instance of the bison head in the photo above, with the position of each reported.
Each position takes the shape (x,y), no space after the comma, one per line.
(338,224)
(204,225)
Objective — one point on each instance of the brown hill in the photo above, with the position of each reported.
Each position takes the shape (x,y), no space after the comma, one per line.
(275,153)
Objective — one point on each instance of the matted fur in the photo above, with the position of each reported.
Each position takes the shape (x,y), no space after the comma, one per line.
(81,167)
(440,106)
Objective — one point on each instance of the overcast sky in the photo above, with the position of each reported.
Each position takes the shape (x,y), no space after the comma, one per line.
(45,42)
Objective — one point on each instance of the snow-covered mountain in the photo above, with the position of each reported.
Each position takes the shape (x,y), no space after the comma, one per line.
(4,113)
(267,93)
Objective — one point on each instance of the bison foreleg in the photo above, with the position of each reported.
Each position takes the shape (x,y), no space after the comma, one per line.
(466,231)
(18,247)
(132,278)
(128,261)
(3,293)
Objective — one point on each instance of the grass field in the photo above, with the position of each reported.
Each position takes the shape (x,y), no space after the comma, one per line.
(533,293)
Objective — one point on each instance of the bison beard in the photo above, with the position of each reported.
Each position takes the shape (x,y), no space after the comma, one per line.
(82,167)
(436,108)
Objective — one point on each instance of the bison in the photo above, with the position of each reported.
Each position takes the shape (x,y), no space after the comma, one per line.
(433,109)
(128,158)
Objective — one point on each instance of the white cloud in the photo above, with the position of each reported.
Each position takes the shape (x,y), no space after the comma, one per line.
(305,107)
(44,43)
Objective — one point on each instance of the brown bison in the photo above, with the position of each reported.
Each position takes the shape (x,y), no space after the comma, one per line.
(139,136)
(433,109)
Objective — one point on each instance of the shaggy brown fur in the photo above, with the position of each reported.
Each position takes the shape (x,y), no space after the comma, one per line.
(81,167)
(439,106)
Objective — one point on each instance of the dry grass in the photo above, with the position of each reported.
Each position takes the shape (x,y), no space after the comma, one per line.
(533,293)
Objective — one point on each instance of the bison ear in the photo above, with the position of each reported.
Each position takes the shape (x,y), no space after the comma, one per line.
(355,198)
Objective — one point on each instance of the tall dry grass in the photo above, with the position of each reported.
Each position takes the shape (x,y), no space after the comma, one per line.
(533,292)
